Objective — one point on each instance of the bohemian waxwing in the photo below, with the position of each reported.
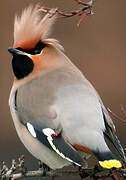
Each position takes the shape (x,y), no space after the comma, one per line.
(57,113)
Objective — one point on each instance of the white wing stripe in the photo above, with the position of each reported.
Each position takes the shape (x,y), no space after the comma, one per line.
(31,129)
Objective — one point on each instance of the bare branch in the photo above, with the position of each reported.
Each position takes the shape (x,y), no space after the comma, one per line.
(116,116)
(19,171)
(114,175)
(84,11)
(123,111)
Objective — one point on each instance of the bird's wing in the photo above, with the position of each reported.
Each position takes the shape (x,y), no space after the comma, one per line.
(36,122)
(107,116)
(104,110)
(110,132)
(34,102)
(56,143)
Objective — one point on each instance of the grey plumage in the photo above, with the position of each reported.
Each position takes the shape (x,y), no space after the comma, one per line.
(56,95)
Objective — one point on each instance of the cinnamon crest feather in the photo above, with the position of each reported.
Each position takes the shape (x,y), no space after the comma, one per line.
(30,28)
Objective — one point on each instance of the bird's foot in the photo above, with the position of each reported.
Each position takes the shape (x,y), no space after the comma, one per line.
(82,173)
(44,168)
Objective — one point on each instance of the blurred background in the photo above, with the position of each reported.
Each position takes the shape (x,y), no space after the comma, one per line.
(97,47)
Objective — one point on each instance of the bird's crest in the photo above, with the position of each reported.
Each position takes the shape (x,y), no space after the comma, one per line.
(30,27)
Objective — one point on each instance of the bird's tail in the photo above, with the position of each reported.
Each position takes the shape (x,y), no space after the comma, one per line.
(107,160)
(116,143)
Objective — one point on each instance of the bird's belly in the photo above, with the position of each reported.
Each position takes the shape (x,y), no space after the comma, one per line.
(80,113)
(78,107)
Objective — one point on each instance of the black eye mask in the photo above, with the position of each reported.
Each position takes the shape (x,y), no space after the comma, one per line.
(38,48)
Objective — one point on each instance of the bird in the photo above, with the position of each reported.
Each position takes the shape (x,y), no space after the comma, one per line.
(58,115)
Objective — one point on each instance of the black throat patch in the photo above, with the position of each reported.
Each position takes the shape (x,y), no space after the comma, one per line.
(22,65)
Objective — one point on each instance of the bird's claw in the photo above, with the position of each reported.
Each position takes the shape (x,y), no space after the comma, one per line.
(44,168)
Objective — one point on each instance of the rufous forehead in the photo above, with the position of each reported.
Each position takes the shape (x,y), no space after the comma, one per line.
(27,45)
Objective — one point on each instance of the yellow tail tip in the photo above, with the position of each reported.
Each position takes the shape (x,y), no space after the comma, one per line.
(110,164)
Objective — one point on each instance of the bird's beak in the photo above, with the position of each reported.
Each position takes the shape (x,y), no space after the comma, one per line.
(15,51)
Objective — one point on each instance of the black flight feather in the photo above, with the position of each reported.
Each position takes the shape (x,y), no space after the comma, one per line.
(111,135)
(61,145)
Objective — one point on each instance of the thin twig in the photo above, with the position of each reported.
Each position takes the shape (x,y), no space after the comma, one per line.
(123,111)
(85,10)
(114,175)
(116,116)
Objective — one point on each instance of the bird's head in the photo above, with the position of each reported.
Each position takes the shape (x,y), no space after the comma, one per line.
(31,45)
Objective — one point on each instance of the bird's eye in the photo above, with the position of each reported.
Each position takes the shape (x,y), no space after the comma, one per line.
(37,51)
